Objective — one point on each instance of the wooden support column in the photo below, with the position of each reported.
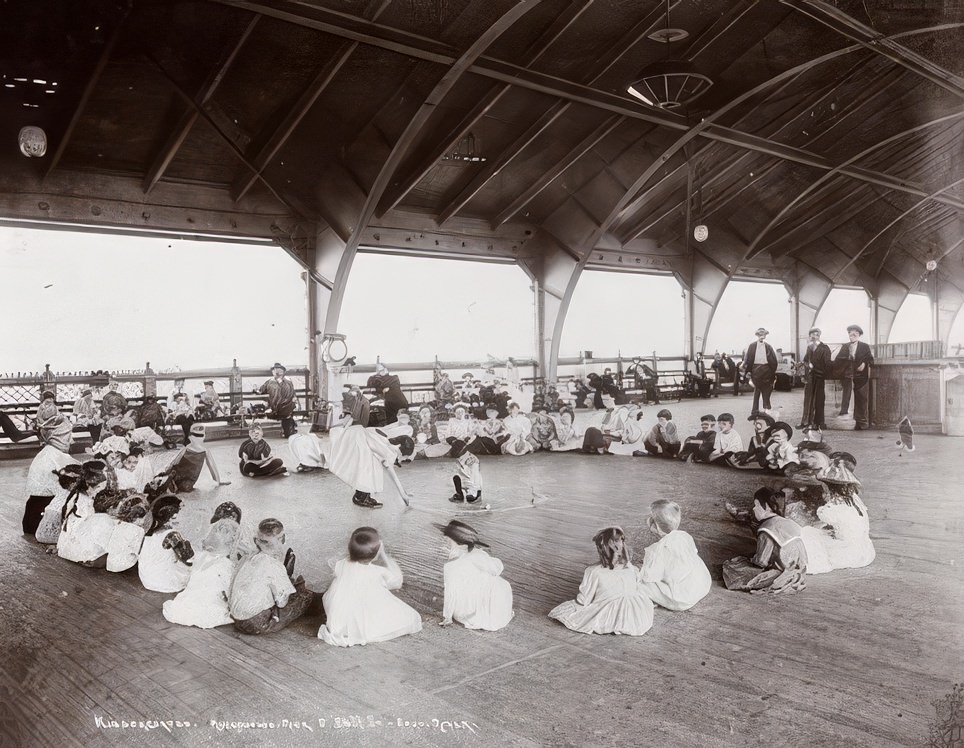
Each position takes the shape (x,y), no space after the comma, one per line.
(326,290)
(554,272)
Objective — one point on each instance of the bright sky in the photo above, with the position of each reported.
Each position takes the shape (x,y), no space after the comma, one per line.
(82,301)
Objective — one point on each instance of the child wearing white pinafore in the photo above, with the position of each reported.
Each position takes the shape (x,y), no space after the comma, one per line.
(673,575)
(475,595)
(609,599)
(359,604)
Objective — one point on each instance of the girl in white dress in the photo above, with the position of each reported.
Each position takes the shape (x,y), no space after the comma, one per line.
(359,605)
(204,601)
(568,437)
(475,595)
(609,599)
(518,427)
(164,564)
(673,575)
(841,539)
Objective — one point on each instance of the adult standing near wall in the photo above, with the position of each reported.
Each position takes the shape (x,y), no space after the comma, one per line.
(761,361)
(859,359)
(281,399)
(818,363)
(389,388)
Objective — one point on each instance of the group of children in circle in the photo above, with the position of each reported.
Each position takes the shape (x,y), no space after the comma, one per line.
(245,577)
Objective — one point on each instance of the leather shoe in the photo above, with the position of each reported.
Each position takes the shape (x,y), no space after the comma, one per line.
(456,499)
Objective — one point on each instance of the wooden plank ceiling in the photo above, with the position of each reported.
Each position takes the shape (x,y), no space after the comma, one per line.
(830,142)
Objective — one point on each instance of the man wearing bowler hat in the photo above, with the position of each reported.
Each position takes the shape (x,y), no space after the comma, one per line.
(761,360)
(281,399)
(859,359)
(817,361)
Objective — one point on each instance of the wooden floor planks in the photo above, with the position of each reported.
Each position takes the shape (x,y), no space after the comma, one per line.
(855,660)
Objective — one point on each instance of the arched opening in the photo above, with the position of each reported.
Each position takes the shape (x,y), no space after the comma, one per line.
(745,306)
(844,306)
(628,313)
(411,309)
(914,321)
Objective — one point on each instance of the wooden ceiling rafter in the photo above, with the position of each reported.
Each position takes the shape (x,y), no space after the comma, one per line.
(879,43)
(926,222)
(402,145)
(277,139)
(487,99)
(627,42)
(554,172)
(752,250)
(180,132)
(78,112)
(293,203)
(494,166)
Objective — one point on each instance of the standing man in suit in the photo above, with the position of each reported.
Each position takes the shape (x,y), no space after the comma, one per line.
(817,361)
(281,399)
(860,359)
(761,361)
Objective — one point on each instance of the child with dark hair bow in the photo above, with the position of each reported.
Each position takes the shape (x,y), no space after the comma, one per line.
(609,599)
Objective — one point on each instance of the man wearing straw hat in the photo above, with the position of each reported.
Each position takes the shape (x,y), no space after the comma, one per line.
(761,361)
(281,399)
(818,363)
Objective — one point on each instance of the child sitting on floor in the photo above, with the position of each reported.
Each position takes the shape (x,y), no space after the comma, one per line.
(204,601)
(728,442)
(663,439)
(468,481)
(609,599)
(673,575)
(780,560)
(780,452)
(264,598)
(475,595)
(359,605)
(255,454)
(697,448)
(164,564)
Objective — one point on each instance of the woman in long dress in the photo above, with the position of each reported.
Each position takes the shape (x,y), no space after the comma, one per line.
(517,427)
(609,600)
(361,456)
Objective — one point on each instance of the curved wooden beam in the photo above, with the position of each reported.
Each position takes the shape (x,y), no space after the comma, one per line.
(458,68)
(752,248)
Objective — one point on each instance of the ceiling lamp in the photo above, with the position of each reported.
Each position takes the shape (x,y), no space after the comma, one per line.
(33,141)
(669,84)
(468,149)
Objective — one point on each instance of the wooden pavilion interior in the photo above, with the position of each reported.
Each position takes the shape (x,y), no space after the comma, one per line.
(815,143)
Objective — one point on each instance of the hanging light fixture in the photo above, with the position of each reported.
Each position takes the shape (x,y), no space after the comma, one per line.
(669,84)
(468,149)
(700,232)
